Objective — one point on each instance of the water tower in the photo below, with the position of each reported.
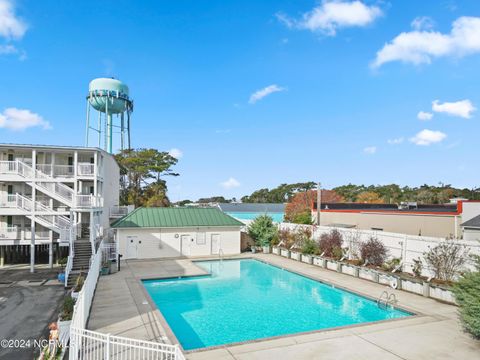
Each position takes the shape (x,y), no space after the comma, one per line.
(109,97)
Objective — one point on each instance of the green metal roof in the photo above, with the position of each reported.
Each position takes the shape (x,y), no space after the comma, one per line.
(175,217)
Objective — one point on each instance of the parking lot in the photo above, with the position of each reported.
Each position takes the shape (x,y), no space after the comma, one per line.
(28,303)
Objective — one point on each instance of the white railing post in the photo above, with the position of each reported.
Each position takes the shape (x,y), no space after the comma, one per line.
(107,355)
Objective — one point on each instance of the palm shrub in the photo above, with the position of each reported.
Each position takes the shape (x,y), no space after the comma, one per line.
(331,244)
(263,231)
(373,251)
(304,218)
(467,295)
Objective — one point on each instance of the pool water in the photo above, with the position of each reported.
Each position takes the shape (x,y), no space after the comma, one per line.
(277,217)
(247,299)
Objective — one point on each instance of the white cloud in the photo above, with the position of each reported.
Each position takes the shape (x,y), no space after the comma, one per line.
(422,23)
(12,50)
(19,119)
(427,137)
(11,27)
(395,141)
(463,108)
(370,150)
(419,47)
(332,15)
(230,183)
(176,153)
(260,94)
(424,116)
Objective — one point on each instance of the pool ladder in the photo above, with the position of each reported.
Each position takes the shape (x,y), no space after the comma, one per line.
(220,255)
(387,299)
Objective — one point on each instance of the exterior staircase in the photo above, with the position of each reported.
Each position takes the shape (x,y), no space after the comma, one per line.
(44,216)
(81,261)
(56,190)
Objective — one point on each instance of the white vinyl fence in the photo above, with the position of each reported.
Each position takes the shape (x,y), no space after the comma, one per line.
(405,247)
(91,345)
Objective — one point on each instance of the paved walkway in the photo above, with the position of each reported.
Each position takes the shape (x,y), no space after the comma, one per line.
(121,307)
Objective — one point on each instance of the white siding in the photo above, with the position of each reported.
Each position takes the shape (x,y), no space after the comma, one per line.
(166,242)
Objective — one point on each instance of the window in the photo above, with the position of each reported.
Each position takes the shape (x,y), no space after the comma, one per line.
(9,221)
(201,238)
(10,157)
(10,189)
(70,161)
(377,229)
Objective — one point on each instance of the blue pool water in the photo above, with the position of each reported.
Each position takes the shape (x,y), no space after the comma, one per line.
(247,299)
(277,217)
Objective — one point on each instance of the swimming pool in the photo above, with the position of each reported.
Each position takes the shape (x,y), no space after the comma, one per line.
(247,299)
(243,215)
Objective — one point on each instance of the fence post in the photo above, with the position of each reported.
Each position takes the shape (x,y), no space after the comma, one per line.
(107,355)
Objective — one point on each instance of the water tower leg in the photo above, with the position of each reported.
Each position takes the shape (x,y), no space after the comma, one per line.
(87,129)
(99,129)
(122,131)
(110,133)
(128,129)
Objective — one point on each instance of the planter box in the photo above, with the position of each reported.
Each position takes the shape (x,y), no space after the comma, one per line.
(295,255)
(318,261)
(348,269)
(74,294)
(412,286)
(276,250)
(384,279)
(266,249)
(366,274)
(440,293)
(285,253)
(332,265)
(64,330)
(308,259)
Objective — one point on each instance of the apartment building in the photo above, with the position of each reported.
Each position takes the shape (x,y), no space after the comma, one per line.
(442,220)
(54,199)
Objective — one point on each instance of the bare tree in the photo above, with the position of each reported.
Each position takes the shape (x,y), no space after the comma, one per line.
(447,259)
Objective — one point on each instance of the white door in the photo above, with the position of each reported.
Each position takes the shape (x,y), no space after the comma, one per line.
(132,247)
(185,244)
(216,245)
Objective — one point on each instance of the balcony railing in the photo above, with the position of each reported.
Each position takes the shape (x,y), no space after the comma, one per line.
(86,169)
(65,171)
(117,211)
(17,233)
(86,201)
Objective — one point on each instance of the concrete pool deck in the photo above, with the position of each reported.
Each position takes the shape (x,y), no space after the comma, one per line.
(121,307)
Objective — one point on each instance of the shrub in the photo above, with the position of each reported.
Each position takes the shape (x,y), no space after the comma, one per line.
(286,238)
(373,251)
(304,218)
(331,243)
(446,260)
(417,267)
(67,309)
(262,230)
(309,247)
(391,264)
(467,294)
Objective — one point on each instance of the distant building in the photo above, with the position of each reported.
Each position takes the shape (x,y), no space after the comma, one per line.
(471,229)
(406,218)
(252,207)
(48,193)
(175,232)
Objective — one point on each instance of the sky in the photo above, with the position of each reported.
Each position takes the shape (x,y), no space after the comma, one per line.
(251,94)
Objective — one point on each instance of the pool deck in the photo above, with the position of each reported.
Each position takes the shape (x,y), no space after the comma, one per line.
(122,307)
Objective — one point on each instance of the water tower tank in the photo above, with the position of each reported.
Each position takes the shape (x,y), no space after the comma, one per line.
(110,98)
(102,89)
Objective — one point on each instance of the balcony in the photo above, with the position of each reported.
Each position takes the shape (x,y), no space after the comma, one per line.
(61,171)
(18,233)
(117,211)
(86,169)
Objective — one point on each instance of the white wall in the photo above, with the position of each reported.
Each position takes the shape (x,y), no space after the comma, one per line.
(166,242)
(110,186)
(470,210)
(471,234)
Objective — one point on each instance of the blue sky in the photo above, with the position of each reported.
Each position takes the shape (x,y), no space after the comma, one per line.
(258,93)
